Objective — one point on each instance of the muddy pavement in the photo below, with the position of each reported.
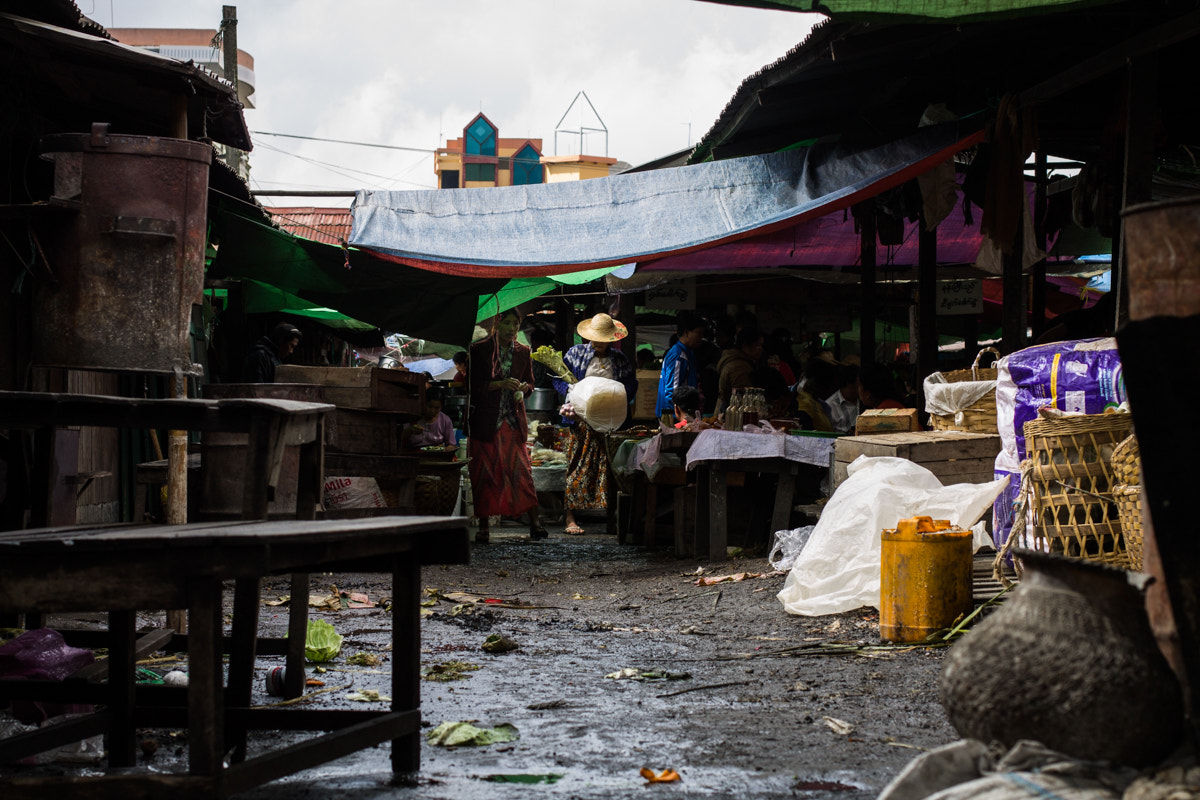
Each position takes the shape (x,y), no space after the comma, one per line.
(734,716)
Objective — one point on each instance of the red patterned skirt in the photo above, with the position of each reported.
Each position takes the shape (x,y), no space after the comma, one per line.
(501,475)
(587,469)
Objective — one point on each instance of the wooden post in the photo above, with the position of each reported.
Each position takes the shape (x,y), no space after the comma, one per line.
(866,288)
(177,458)
(1014,291)
(1037,293)
(229,56)
(1142,104)
(927,333)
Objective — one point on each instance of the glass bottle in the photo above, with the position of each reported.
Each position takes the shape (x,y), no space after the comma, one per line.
(750,408)
(733,414)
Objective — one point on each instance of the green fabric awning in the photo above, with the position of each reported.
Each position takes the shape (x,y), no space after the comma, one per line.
(353,283)
(522,290)
(918,10)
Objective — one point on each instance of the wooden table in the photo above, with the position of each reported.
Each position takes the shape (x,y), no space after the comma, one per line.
(121,569)
(781,455)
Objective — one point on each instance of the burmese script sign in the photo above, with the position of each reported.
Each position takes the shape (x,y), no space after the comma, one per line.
(959,297)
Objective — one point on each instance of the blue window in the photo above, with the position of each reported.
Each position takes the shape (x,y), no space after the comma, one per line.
(481,138)
(526,166)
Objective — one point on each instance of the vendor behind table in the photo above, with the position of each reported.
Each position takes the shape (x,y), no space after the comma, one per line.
(680,367)
(434,427)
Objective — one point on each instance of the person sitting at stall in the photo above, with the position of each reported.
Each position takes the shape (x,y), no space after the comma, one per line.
(877,387)
(269,352)
(679,366)
(817,383)
(434,428)
(460,364)
(687,409)
(843,403)
(737,364)
(646,358)
(587,453)
(499,376)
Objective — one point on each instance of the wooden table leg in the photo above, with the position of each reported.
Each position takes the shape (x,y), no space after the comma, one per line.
(122,678)
(703,510)
(650,522)
(718,513)
(206,739)
(293,679)
(784,492)
(241,659)
(406,658)
(309,485)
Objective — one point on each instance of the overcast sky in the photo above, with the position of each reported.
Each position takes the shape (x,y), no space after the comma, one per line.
(413,73)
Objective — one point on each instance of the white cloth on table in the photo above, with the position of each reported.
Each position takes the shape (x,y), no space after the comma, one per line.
(715,445)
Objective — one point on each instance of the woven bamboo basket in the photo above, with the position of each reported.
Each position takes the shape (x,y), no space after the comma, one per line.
(1071,481)
(1129,510)
(435,494)
(980,416)
(1127,461)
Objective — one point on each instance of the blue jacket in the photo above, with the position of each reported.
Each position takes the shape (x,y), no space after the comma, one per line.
(678,369)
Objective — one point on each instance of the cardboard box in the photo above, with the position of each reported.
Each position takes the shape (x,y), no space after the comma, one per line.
(887,420)
(647,394)
(371,388)
(953,456)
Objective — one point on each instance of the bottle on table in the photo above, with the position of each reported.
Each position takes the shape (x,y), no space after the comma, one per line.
(733,414)
(750,407)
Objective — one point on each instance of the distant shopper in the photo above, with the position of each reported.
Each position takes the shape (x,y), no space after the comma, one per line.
(269,352)
(679,366)
(737,364)
(460,364)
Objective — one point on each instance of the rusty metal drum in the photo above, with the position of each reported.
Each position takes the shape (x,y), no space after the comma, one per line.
(128,264)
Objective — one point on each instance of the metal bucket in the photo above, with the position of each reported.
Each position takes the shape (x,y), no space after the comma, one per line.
(1162,249)
(223,455)
(543,400)
(130,263)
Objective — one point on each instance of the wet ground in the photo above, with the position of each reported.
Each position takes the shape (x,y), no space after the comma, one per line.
(742,713)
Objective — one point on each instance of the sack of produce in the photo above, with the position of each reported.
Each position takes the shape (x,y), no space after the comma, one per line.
(599,402)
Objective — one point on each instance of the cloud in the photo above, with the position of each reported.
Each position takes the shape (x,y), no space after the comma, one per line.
(412,74)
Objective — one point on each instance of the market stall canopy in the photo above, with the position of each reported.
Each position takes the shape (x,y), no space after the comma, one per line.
(558,228)
(356,284)
(910,10)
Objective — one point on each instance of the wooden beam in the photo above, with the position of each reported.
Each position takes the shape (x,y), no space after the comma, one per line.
(1114,58)
(1141,106)
(866,291)
(927,333)
(1037,294)
(1014,292)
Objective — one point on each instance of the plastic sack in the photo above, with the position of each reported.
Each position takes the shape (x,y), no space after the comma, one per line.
(42,654)
(953,398)
(839,569)
(1082,376)
(352,492)
(600,402)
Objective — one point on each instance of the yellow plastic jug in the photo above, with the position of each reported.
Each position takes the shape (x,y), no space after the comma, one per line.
(925,581)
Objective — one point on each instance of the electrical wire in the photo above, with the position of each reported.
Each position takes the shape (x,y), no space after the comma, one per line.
(337,169)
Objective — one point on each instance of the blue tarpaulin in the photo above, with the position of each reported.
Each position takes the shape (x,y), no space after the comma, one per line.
(546,229)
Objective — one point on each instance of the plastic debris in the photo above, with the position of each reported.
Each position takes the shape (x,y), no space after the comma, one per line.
(368,696)
(839,726)
(630,673)
(667,776)
(552,777)
(460,734)
(175,678)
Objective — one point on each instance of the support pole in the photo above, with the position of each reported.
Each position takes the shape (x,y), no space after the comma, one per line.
(1037,287)
(229,56)
(866,287)
(1014,292)
(1142,102)
(177,457)
(927,334)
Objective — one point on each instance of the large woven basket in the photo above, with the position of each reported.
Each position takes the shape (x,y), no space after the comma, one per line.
(980,416)
(1072,482)
(1129,511)
(435,494)
(1127,461)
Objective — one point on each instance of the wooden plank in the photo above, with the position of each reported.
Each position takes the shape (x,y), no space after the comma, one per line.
(122,678)
(147,643)
(919,446)
(293,683)
(205,693)
(24,745)
(406,661)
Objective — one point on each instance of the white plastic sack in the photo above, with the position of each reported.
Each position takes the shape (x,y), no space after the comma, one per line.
(352,492)
(600,402)
(952,398)
(838,570)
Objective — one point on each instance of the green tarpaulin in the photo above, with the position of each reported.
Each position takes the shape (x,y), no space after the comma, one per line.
(522,290)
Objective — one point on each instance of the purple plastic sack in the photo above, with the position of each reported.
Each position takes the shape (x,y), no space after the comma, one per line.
(42,654)
(1078,376)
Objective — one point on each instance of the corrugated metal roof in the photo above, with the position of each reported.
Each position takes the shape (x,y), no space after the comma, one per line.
(328,225)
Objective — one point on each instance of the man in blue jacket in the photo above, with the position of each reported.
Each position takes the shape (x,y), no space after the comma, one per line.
(679,364)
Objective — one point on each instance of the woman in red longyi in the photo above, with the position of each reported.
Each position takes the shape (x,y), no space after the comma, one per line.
(500,375)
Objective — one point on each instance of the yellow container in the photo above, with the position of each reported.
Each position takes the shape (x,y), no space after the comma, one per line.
(925,582)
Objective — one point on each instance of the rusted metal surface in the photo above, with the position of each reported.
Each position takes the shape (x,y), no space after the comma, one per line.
(130,264)
(1162,249)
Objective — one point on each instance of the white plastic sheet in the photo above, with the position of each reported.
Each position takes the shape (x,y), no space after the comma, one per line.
(838,570)
(600,402)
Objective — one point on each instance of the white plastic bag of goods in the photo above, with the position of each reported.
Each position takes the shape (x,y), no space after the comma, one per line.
(838,570)
(600,402)
(952,398)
